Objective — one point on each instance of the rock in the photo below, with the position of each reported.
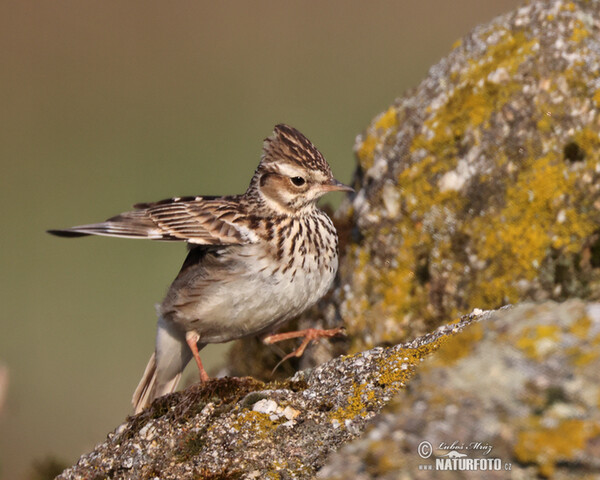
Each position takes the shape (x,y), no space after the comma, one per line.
(522,387)
(482,186)
(519,385)
(244,428)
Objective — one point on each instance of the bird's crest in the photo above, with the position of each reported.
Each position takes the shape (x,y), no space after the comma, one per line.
(288,144)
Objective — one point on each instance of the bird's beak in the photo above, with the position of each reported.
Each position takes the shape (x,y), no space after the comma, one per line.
(334,186)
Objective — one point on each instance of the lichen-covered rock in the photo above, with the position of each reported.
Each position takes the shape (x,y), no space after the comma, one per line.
(526,382)
(482,186)
(234,428)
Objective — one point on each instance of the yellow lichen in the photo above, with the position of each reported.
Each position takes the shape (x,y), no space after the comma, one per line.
(586,351)
(547,446)
(383,123)
(256,422)
(470,104)
(596,98)
(538,341)
(581,358)
(515,241)
(393,373)
(581,327)
(459,346)
(579,32)
(588,140)
(356,405)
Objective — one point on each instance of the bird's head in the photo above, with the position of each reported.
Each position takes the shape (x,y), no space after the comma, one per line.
(292,174)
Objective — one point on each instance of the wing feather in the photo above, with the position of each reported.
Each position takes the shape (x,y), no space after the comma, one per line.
(197,220)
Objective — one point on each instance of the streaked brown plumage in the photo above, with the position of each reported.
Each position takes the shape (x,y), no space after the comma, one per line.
(256,260)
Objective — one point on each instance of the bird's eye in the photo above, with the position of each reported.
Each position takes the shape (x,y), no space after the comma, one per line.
(298,181)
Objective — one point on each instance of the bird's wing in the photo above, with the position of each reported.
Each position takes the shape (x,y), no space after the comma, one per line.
(197,220)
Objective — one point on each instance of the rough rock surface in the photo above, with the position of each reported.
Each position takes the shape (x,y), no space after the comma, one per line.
(482,186)
(242,428)
(524,384)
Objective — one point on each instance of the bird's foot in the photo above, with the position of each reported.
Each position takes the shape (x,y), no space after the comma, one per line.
(309,334)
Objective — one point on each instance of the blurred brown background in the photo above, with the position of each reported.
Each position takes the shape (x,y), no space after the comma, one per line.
(105,104)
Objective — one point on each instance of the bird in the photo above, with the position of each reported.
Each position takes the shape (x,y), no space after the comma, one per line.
(254,262)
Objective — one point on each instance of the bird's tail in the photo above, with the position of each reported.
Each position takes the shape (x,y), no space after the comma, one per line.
(166,364)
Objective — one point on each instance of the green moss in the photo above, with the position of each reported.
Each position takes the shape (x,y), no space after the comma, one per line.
(190,446)
(182,406)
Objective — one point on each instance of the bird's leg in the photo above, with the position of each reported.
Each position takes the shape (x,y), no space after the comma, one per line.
(309,334)
(192,340)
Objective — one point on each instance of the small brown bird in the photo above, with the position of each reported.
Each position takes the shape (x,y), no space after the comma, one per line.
(255,261)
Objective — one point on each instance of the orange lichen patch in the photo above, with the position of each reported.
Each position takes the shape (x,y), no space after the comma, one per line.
(538,341)
(546,446)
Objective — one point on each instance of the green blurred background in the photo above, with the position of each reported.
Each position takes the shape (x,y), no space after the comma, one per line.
(105,104)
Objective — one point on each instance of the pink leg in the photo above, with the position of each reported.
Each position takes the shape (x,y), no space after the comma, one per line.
(192,339)
(309,334)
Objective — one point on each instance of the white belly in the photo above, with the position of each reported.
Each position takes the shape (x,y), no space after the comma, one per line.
(262,302)
(254,297)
